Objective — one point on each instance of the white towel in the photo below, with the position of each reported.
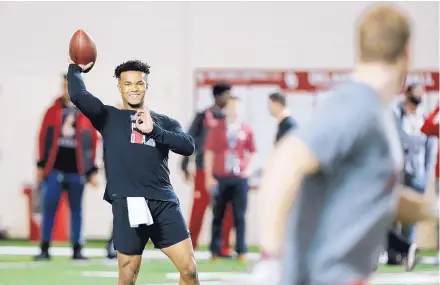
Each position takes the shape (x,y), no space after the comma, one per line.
(138,212)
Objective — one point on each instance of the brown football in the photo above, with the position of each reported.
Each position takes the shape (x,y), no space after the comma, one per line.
(82,49)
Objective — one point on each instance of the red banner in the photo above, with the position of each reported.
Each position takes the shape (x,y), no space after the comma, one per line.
(297,80)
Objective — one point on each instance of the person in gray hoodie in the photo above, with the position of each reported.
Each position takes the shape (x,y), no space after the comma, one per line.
(419,149)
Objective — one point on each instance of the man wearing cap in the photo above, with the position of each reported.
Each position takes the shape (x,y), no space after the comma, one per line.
(229,161)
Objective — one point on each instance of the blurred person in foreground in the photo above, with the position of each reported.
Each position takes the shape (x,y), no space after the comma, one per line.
(278,109)
(67,145)
(328,193)
(199,129)
(137,144)
(431,128)
(229,161)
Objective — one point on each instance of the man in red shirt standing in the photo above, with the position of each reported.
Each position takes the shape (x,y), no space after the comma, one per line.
(229,156)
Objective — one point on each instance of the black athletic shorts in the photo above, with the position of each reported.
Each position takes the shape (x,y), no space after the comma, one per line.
(169,227)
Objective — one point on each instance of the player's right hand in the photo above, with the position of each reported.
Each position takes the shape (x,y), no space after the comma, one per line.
(83,67)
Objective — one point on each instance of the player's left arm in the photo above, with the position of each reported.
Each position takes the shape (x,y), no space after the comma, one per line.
(289,163)
(174,137)
(320,145)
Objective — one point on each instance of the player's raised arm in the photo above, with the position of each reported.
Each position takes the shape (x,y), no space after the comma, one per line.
(88,104)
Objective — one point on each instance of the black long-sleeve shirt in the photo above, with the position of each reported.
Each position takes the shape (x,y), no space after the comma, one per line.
(136,164)
(286,125)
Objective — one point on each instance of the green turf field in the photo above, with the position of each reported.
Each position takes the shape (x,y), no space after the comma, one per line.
(21,270)
(61,271)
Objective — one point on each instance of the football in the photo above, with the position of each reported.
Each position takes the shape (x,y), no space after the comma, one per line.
(82,49)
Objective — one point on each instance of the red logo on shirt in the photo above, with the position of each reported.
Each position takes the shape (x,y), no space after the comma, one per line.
(136,137)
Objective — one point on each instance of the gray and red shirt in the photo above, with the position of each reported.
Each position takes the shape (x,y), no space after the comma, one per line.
(339,221)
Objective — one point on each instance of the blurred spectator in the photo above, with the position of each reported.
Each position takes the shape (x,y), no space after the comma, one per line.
(66,149)
(419,150)
(431,128)
(277,108)
(229,156)
(200,126)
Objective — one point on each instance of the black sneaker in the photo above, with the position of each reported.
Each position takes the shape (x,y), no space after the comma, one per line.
(77,253)
(44,255)
(394,258)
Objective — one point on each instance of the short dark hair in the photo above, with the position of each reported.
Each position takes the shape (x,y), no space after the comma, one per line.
(132,65)
(220,88)
(279,98)
(409,89)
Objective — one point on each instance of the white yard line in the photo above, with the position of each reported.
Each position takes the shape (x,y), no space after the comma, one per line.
(204,283)
(97,252)
(148,254)
(102,274)
(114,274)
(412,278)
(20,265)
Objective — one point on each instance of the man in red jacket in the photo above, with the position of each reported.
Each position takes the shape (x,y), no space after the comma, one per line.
(66,161)
(431,128)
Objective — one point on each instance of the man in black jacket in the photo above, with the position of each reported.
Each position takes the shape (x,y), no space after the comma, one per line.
(278,109)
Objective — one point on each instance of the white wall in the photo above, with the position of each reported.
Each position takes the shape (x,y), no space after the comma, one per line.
(175,38)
